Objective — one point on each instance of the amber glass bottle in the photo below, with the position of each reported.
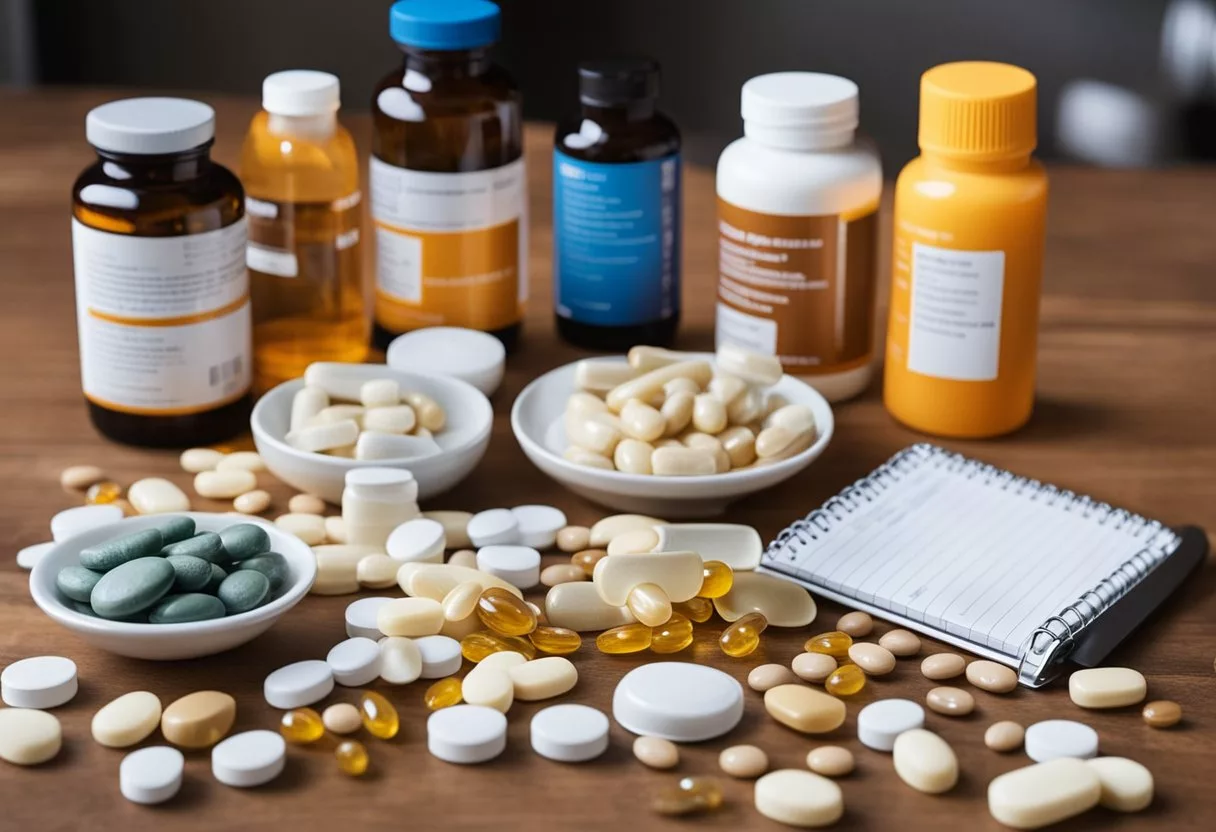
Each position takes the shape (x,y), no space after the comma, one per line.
(447,178)
(162,295)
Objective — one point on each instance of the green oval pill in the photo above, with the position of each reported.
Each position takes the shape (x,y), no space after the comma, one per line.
(132,587)
(217,577)
(192,573)
(272,565)
(244,540)
(175,528)
(191,606)
(205,545)
(77,583)
(86,609)
(244,590)
(102,557)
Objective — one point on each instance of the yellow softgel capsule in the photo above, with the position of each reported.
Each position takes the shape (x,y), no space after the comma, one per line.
(302,726)
(587,559)
(835,644)
(845,680)
(443,694)
(691,794)
(673,636)
(628,638)
(697,609)
(476,646)
(556,640)
(102,493)
(717,581)
(743,636)
(504,613)
(379,716)
(352,757)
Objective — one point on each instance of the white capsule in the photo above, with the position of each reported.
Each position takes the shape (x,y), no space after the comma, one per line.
(750,366)
(747,408)
(727,388)
(677,411)
(584,405)
(429,412)
(708,413)
(632,456)
(592,434)
(306,404)
(372,444)
(683,462)
(644,386)
(793,417)
(582,456)
(339,413)
(641,421)
(224,485)
(644,359)
(322,437)
(381,392)
(601,376)
(394,419)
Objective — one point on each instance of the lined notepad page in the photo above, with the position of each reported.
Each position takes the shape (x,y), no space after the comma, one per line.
(965,549)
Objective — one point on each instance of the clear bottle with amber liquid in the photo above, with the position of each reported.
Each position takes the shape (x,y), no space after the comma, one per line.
(301,177)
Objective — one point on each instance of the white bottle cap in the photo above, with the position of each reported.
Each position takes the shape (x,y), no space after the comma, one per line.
(787,109)
(301,92)
(150,126)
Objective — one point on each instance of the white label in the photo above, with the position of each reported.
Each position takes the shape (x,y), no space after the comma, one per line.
(164,322)
(399,265)
(955,322)
(748,331)
(425,201)
(274,261)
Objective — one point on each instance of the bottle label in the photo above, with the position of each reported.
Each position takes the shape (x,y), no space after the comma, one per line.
(287,239)
(451,248)
(798,287)
(954,328)
(163,322)
(616,240)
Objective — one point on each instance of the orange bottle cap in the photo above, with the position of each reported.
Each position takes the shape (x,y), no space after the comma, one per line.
(978,111)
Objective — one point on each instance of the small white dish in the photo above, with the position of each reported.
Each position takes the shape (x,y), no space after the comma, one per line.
(164,642)
(536,419)
(462,442)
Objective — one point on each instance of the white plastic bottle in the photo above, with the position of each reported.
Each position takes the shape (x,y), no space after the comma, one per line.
(798,203)
(375,501)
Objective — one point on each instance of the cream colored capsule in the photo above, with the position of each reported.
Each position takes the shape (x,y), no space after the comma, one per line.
(632,456)
(1107,687)
(601,376)
(585,404)
(650,383)
(241,461)
(746,409)
(561,573)
(306,504)
(783,603)
(338,568)
(925,761)
(1127,786)
(375,445)
(322,437)
(252,502)
(305,405)
(412,617)
(308,527)
(740,445)
(804,708)
(438,579)
(335,529)
(380,392)
(697,439)
(397,418)
(592,434)
(578,606)
(1038,795)
(430,413)
(793,417)
(542,678)
(683,462)
(678,574)
(574,539)
(582,456)
(376,571)
(338,413)
(708,413)
(773,441)
(752,367)
(127,720)
(465,557)
(601,534)
(643,359)
(461,601)
(224,485)
(641,421)
(677,411)
(634,542)
(726,388)
(680,385)
(197,460)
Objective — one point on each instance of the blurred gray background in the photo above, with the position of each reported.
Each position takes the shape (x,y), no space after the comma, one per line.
(1122,82)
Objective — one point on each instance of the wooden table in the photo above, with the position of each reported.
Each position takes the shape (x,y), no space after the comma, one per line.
(1126,412)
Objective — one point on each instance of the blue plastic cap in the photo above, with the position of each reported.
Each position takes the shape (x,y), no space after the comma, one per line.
(444,24)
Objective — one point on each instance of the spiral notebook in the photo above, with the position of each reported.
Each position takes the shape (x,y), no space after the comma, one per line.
(1003,566)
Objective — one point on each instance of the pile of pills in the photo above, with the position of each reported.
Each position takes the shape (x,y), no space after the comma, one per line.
(673,414)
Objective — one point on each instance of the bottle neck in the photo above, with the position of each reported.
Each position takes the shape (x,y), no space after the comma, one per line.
(948,162)
(799,137)
(447,64)
(627,113)
(156,170)
(311,127)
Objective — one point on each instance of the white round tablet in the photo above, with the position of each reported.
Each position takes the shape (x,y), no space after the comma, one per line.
(466,734)
(1055,738)
(151,775)
(298,684)
(354,662)
(539,525)
(28,557)
(419,540)
(569,733)
(73,521)
(879,723)
(440,656)
(361,617)
(517,565)
(466,354)
(249,759)
(495,526)
(39,682)
(678,701)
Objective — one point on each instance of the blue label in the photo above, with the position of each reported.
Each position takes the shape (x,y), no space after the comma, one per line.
(616,240)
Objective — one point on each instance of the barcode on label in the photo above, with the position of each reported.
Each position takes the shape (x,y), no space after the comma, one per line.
(223,373)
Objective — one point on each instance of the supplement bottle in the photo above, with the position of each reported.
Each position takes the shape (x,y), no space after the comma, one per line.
(162,295)
(967,256)
(616,212)
(301,177)
(375,501)
(448,188)
(797,231)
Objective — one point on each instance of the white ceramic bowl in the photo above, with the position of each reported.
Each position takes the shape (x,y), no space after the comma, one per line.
(171,641)
(536,419)
(462,442)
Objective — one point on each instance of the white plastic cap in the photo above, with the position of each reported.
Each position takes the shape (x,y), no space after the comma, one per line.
(150,126)
(301,92)
(792,108)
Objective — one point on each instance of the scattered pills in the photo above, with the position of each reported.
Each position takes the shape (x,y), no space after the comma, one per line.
(950,701)
(1039,795)
(517,565)
(766,676)
(151,775)
(542,678)
(28,556)
(804,709)
(28,736)
(845,680)
(689,795)
(466,734)
(352,758)
(76,477)
(813,667)
(679,701)
(573,539)
(410,617)
(855,624)
(301,726)
(127,720)
(569,733)
(252,502)
(782,603)
(1054,738)
(342,718)
(835,644)
(400,660)
(40,682)
(419,539)
(738,546)
(901,643)
(440,656)
(743,761)
(73,521)
(198,720)
(942,666)
(1107,687)
(1004,736)
(224,484)
(586,559)
(156,495)
(1127,786)
(197,460)
(799,798)
(561,573)
(298,684)
(379,716)
(498,526)
(249,759)
(830,761)
(538,525)
(875,660)
(879,723)
(992,677)
(443,694)
(354,662)
(1162,713)
(656,752)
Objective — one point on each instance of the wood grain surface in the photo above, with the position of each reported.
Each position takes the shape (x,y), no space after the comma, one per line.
(1126,409)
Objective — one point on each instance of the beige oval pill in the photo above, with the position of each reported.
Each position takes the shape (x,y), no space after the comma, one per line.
(335,529)
(77,477)
(28,736)
(783,603)
(197,460)
(656,752)
(410,617)
(925,761)
(342,718)
(376,571)
(578,606)
(743,761)
(726,388)
(127,720)
(308,527)
(573,539)
(768,676)
(1127,786)
(398,418)
(746,409)
(683,462)
(241,461)
(156,495)
(992,677)
(561,573)
(219,485)
(1107,687)
(592,434)
(813,667)
(677,411)
(740,445)
(830,761)
(856,624)
(771,442)
(632,456)
(635,542)
(795,418)
(252,502)
(306,504)
(465,557)
(941,666)
(585,404)
(804,709)
(799,798)
(641,421)
(582,456)
(708,413)
(901,643)
(1004,736)
(489,687)
(429,412)
(1045,793)
(874,660)
(950,701)
(542,678)
(696,439)
(199,719)
(461,602)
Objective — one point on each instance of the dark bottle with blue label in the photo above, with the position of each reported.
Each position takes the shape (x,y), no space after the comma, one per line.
(616,212)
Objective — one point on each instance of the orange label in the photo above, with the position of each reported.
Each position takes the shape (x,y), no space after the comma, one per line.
(798,287)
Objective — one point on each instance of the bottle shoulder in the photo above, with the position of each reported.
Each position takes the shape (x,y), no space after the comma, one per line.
(212,200)
(276,165)
(766,179)
(925,179)
(641,141)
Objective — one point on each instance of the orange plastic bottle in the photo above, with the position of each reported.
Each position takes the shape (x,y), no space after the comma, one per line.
(969,222)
